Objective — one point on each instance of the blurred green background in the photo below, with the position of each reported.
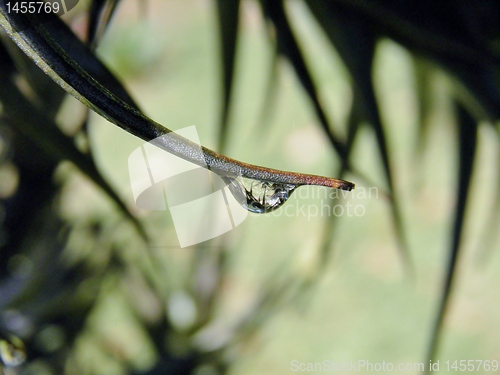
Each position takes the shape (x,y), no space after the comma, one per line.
(280,287)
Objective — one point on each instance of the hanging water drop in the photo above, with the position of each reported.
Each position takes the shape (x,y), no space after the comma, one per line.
(259,196)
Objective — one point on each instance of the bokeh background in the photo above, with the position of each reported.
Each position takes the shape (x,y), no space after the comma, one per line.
(88,295)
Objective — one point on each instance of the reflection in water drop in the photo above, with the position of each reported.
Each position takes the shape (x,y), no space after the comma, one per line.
(259,196)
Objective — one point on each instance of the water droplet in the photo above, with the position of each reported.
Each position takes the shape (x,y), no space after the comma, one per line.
(259,196)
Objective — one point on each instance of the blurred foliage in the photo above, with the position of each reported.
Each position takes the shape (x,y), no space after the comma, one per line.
(60,272)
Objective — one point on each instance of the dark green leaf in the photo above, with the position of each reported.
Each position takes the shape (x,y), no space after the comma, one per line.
(355,40)
(228,16)
(100,14)
(287,45)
